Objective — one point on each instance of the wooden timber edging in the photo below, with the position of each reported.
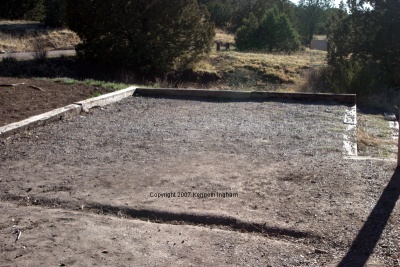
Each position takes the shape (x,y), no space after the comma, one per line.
(65,113)
(245,95)
(106,99)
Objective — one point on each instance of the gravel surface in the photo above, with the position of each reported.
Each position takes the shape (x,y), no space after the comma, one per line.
(278,164)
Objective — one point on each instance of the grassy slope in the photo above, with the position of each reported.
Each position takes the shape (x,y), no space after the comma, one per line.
(259,71)
(16,36)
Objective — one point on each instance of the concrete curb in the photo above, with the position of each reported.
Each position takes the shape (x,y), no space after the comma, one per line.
(245,95)
(350,133)
(192,93)
(66,112)
(106,99)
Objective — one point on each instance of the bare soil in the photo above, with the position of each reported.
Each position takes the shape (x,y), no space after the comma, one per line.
(21,102)
(193,182)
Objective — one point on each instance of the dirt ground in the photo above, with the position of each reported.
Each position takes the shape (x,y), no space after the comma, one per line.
(162,182)
(21,102)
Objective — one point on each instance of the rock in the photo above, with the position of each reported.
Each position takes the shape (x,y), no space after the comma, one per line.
(390,117)
(320,251)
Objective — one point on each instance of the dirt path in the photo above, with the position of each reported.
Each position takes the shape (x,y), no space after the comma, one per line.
(272,173)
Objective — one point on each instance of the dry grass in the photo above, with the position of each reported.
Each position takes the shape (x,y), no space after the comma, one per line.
(223,36)
(374,137)
(320,37)
(260,71)
(16,36)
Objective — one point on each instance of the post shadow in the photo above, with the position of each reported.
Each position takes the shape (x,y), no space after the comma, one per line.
(370,233)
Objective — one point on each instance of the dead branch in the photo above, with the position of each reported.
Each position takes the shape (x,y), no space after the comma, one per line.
(18,233)
(35,87)
(16,84)
(11,84)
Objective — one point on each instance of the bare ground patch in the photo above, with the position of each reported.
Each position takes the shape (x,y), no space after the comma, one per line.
(22,101)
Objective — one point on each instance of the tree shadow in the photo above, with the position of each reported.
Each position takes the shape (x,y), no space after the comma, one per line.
(65,66)
(76,68)
(370,233)
(20,28)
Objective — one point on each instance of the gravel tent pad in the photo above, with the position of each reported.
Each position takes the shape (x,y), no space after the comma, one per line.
(269,170)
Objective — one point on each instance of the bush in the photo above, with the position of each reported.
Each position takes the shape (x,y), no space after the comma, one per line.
(9,60)
(273,33)
(355,77)
(16,9)
(317,80)
(221,13)
(147,35)
(246,36)
(363,50)
(37,13)
(243,8)
(39,50)
(348,77)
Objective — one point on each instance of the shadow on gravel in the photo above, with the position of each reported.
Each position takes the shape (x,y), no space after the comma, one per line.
(370,233)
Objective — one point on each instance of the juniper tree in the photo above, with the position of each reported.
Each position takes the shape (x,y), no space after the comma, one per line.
(148,35)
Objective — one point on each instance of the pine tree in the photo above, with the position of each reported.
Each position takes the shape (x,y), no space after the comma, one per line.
(148,35)
(273,33)
(16,9)
(55,13)
(367,37)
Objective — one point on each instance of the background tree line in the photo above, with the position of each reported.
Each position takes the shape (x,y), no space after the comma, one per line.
(308,18)
(159,35)
(363,48)
(51,12)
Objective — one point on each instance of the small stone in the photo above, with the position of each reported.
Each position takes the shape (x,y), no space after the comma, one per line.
(390,117)
(320,251)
